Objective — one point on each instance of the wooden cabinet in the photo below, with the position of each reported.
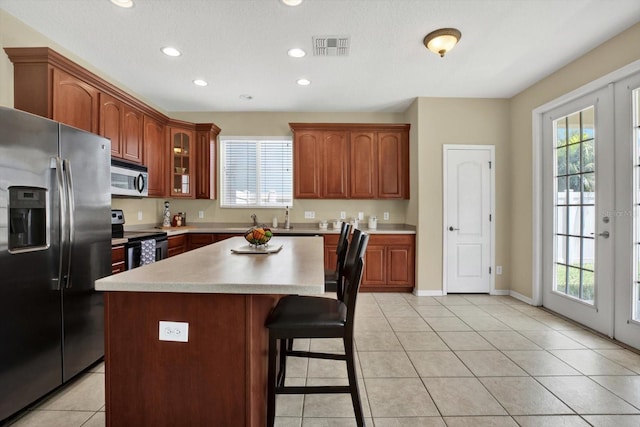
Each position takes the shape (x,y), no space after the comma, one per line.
(50,85)
(379,165)
(75,102)
(330,248)
(182,162)
(177,245)
(389,263)
(117,259)
(198,240)
(321,168)
(122,124)
(359,161)
(154,156)
(206,149)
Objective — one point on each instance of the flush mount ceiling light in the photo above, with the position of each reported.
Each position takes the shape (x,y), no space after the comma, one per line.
(123,3)
(304,82)
(292,2)
(199,82)
(171,51)
(442,41)
(296,52)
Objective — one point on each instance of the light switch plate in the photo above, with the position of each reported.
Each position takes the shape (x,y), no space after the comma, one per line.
(174,331)
(343,215)
(360,216)
(200,214)
(309,214)
(139,215)
(385,216)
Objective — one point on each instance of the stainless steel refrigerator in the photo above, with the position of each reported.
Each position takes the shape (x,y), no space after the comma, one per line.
(55,241)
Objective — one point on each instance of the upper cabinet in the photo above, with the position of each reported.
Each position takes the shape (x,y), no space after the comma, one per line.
(123,125)
(358,161)
(154,156)
(74,102)
(182,162)
(50,85)
(206,149)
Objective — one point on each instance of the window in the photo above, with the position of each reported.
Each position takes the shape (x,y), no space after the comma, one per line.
(256,172)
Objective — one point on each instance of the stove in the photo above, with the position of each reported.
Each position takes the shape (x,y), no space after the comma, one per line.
(135,253)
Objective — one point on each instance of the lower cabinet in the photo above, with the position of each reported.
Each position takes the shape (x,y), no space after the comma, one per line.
(177,245)
(117,259)
(198,240)
(389,263)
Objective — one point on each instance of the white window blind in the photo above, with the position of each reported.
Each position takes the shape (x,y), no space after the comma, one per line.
(256,172)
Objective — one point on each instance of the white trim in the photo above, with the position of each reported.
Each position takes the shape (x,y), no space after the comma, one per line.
(428,293)
(614,76)
(500,292)
(521,297)
(492,209)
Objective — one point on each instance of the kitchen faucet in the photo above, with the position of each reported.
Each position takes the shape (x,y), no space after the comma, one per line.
(255,219)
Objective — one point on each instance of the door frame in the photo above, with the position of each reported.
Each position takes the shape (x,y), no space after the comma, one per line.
(537,170)
(492,210)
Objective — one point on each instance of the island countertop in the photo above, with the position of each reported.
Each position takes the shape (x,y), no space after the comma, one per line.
(296,269)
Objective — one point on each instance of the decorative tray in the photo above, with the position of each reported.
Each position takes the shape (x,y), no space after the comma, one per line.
(251,249)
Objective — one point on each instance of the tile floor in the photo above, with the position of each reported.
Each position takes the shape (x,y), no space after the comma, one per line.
(458,360)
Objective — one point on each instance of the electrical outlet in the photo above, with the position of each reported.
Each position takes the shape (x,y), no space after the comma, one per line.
(309,214)
(385,216)
(360,216)
(200,214)
(498,270)
(174,331)
(139,215)
(343,215)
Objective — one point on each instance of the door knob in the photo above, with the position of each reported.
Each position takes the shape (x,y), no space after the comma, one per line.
(453,229)
(604,234)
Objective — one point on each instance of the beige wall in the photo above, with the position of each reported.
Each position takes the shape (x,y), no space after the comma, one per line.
(456,121)
(610,56)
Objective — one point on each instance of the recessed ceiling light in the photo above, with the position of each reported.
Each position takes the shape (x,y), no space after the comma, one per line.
(199,82)
(292,2)
(304,82)
(246,97)
(171,51)
(123,3)
(296,52)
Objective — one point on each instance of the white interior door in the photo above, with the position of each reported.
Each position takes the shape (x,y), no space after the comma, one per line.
(578,192)
(627,212)
(467,219)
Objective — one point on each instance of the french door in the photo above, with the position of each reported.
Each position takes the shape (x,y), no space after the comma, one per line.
(578,210)
(627,212)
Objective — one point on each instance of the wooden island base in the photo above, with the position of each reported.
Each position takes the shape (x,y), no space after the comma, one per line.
(218,378)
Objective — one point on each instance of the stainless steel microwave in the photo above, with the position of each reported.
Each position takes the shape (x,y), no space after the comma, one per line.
(128,179)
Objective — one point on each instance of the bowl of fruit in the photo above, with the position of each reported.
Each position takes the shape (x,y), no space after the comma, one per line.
(258,235)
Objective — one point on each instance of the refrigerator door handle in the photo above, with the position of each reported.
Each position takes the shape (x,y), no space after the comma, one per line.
(70,213)
(57,165)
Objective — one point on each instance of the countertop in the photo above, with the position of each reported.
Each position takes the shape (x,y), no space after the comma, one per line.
(311,229)
(297,269)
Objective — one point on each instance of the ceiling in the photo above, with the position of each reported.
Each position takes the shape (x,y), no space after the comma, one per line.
(240,48)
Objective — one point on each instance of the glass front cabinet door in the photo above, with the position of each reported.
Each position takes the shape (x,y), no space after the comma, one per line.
(182,163)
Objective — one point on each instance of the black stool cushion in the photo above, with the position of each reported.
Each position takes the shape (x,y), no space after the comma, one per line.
(304,312)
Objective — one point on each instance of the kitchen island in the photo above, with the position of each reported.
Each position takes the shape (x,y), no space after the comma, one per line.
(218,377)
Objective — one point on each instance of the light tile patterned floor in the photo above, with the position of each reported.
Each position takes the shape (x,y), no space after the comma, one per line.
(458,360)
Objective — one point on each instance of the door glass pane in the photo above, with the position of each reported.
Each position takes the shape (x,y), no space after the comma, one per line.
(575,205)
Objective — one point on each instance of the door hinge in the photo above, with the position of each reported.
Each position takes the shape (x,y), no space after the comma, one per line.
(489,217)
(489,164)
(489,270)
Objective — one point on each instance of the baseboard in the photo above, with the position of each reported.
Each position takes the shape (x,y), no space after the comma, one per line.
(427,293)
(500,292)
(521,297)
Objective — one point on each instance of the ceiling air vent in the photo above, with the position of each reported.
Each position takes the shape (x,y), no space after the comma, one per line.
(331,45)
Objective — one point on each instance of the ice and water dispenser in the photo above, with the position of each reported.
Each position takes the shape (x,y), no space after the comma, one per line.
(27,218)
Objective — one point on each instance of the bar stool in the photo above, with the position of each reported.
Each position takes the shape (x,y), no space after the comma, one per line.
(331,276)
(316,317)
